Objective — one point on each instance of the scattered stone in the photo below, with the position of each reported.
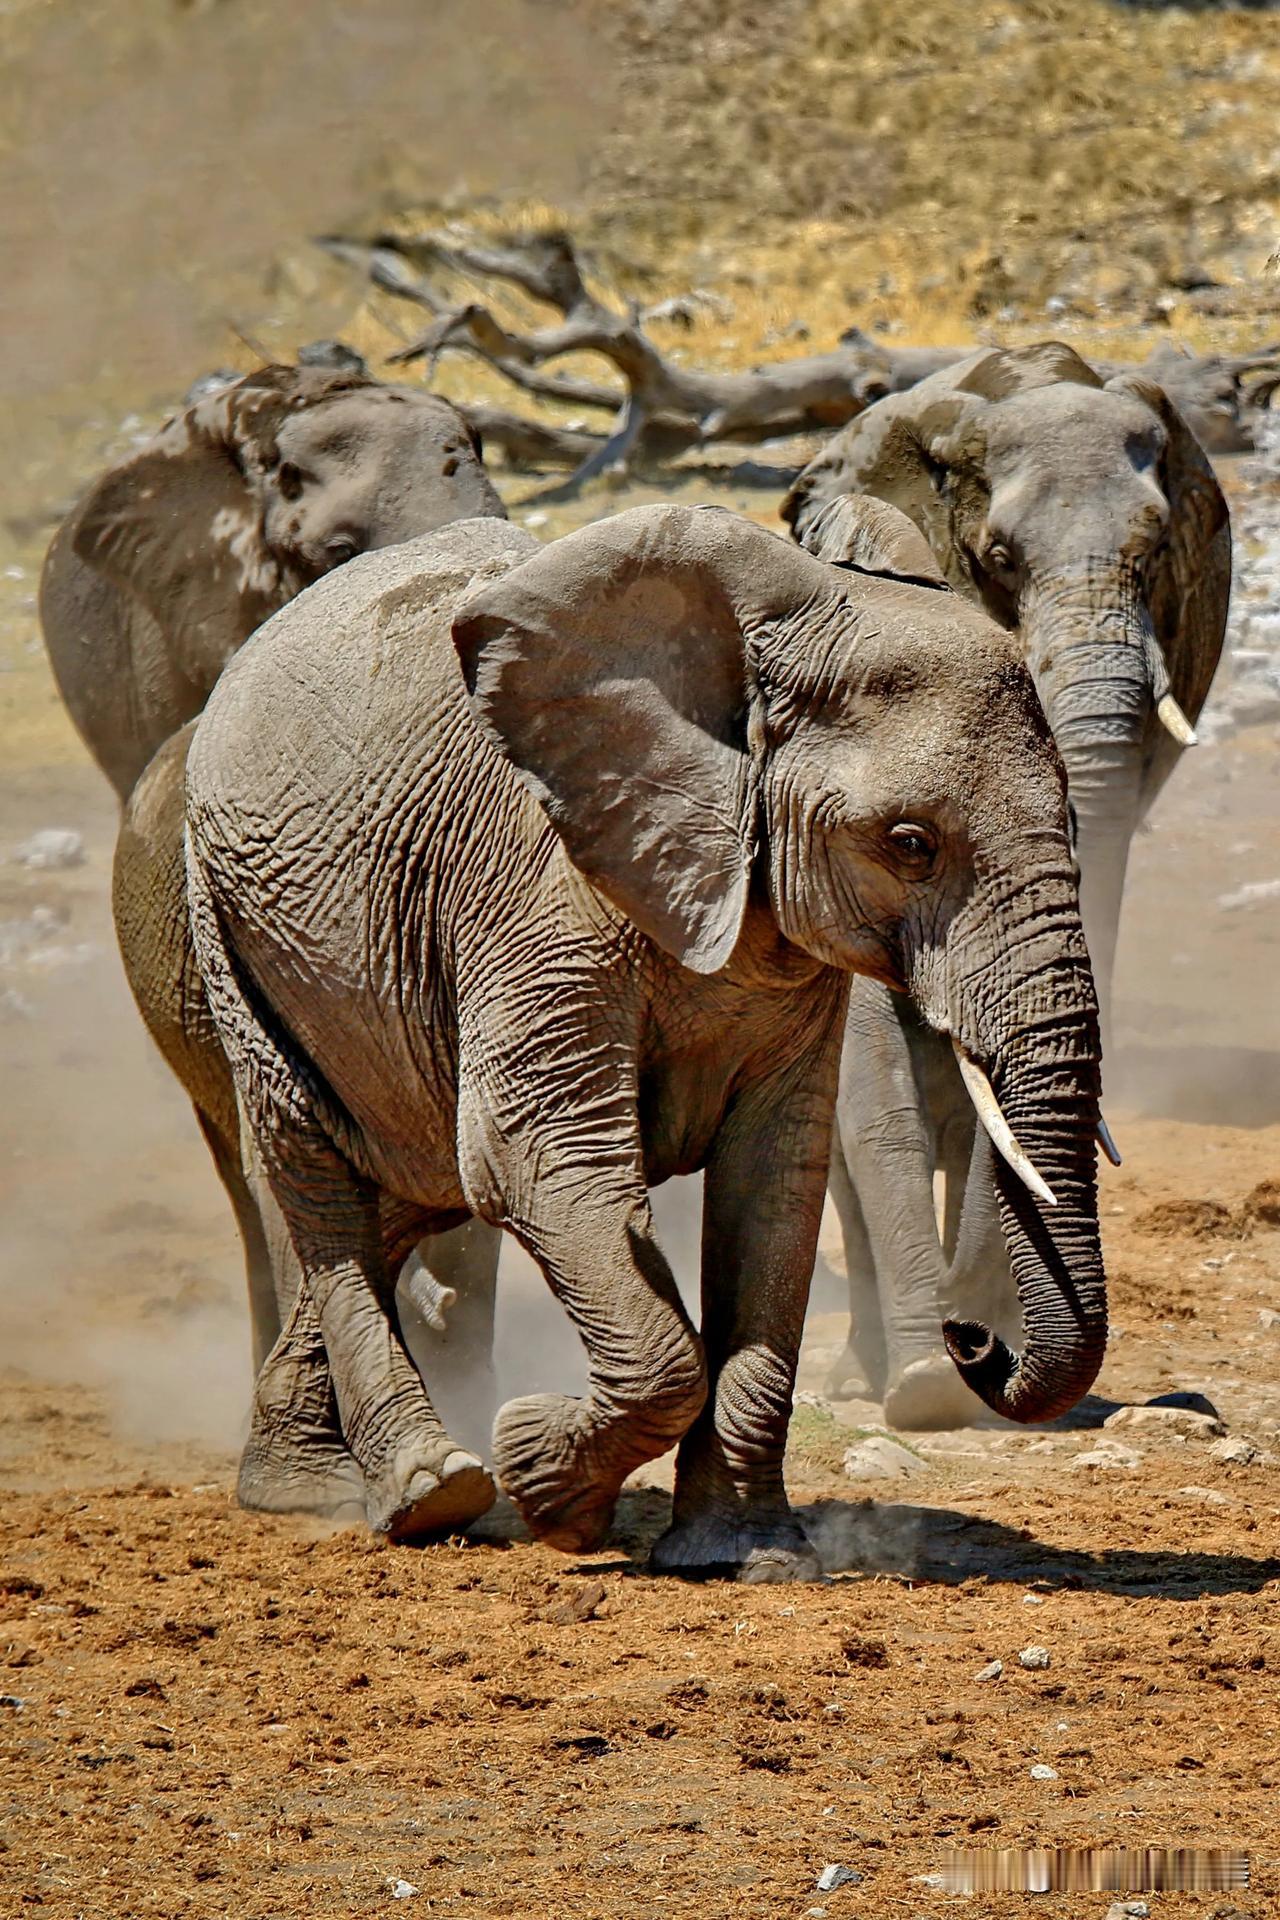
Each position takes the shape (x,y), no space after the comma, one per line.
(1034,1658)
(1233,1453)
(1042,1772)
(1128,1910)
(535,520)
(12,1700)
(992,1670)
(1033,1599)
(52,849)
(835,1876)
(1166,1420)
(1209,1495)
(1268,1319)
(402,1889)
(880,1458)
(1110,1457)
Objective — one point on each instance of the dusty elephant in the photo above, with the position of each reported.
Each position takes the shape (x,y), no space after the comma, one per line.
(524,879)
(1085,518)
(174,556)
(284,474)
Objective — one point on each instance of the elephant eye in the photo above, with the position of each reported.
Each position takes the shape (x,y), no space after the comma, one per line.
(289,480)
(914,847)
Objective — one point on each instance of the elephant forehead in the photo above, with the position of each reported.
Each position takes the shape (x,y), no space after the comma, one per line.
(1067,427)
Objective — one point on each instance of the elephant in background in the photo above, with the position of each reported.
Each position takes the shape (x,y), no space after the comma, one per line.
(523,879)
(153,583)
(174,556)
(1083,516)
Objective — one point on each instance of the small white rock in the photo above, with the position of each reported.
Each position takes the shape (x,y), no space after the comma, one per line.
(1209,1495)
(1035,1659)
(835,1876)
(1165,1421)
(1233,1453)
(1042,1772)
(1268,1319)
(1033,1599)
(1107,1458)
(402,1889)
(880,1458)
(1128,1910)
(535,520)
(51,849)
(991,1671)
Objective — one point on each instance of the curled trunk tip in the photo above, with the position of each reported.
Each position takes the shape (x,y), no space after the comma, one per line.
(995,1373)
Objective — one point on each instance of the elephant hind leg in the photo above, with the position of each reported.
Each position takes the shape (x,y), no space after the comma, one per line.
(264,1309)
(417,1480)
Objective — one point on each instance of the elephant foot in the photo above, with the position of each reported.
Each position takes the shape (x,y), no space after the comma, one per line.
(759,1552)
(543,1460)
(854,1377)
(289,1473)
(929,1396)
(427,1489)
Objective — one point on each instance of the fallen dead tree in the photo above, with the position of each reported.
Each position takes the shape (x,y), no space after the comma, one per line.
(658,407)
(654,409)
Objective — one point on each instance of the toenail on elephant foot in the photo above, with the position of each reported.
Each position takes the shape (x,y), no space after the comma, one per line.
(927,1396)
(853,1378)
(542,1459)
(426,1493)
(761,1553)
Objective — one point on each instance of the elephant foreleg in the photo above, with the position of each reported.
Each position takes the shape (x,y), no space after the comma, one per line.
(859,1373)
(762,1207)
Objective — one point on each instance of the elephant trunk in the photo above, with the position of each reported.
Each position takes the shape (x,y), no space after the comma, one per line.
(1039,1044)
(1099,672)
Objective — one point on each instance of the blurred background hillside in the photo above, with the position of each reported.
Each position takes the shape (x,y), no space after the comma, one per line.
(944,172)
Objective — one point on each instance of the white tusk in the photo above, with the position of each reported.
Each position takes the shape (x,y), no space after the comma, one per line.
(1171,716)
(431,1299)
(1107,1144)
(987,1108)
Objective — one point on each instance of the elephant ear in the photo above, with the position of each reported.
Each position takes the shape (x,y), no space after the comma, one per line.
(613,670)
(179,527)
(1191,569)
(896,451)
(870,536)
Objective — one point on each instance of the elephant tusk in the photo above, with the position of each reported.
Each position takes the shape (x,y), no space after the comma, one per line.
(1175,721)
(431,1299)
(1107,1144)
(987,1107)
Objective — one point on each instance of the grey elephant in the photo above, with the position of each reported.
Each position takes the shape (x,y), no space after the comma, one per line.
(523,879)
(1085,518)
(175,555)
(157,578)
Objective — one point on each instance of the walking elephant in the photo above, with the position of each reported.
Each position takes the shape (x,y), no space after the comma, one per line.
(175,555)
(523,879)
(1083,516)
(157,578)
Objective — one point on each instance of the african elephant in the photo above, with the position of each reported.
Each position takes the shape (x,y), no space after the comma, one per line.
(522,879)
(1084,517)
(175,555)
(321,464)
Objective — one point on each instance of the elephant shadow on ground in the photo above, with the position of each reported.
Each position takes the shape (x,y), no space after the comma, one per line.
(934,1546)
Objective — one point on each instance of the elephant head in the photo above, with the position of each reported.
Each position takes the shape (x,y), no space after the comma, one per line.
(751,752)
(1084,514)
(259,488)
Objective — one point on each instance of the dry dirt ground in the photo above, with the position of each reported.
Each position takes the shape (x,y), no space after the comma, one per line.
(205,1713)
